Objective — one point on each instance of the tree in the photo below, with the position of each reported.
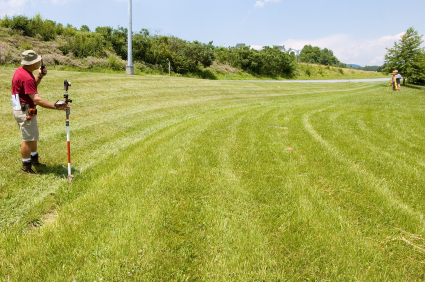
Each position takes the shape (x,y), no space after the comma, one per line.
(85,28)
(406,57)
(315,55)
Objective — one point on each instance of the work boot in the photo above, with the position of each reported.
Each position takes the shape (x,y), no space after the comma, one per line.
(35,161)
(27,167)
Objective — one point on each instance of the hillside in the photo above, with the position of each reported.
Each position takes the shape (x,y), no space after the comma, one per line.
(12,44)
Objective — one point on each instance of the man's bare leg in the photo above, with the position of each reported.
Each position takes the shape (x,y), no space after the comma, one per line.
(27,147)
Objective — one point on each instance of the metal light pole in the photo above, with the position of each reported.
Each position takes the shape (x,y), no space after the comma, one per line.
(130,67)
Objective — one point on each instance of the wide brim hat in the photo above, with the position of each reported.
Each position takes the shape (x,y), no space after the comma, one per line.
(30,57)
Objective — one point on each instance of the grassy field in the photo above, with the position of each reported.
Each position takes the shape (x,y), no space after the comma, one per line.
(180,179)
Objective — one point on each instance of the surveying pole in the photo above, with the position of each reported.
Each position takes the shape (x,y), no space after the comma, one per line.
(130,67)
(68,142)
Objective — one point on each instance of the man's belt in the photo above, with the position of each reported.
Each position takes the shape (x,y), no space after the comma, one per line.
(32,110)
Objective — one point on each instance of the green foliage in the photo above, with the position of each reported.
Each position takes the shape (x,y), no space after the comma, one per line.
(407,57)
(85,44)
(308,71)
(115,64)
(198,53)
(421,64)
(69,30)
(47,29)
(26,46)
(19,23)
(183,56)
(143,46)
(118,41)
(85,28)
(315,55)
(276,62)
(269,61)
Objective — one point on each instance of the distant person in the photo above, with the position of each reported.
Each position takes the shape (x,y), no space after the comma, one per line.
(24,100)
(395,80)
(398,77)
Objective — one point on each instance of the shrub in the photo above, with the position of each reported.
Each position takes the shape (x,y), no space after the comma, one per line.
(308,72)
(115,64)
(276,62)
(83,45)
(315,55)
(47,29)
(84,28)
(26,46)
(19,23)
(269,61)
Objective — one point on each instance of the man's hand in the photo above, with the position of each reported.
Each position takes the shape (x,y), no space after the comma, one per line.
(61,105)
(42,72)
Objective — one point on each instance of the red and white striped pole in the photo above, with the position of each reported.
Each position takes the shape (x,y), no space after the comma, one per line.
(68,142)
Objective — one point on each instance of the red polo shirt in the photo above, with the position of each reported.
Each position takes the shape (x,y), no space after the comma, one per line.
(23,83)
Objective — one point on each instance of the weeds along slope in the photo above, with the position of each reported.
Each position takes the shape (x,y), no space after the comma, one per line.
(181,179)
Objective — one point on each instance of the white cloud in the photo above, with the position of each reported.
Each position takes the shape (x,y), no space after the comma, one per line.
(12,7)
(349,49)
(261,3)
(17,7)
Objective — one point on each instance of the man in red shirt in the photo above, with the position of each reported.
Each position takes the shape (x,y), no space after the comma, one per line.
(24,100)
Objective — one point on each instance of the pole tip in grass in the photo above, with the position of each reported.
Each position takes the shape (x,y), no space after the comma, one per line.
(70,178)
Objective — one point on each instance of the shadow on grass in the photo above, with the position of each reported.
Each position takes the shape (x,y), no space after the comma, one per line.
(411,86)
(58,170)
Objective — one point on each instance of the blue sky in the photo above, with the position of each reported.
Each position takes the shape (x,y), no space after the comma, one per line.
(357,31)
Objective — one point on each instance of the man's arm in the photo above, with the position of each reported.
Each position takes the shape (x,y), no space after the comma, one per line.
(43,103)
(38,80)
(41,74)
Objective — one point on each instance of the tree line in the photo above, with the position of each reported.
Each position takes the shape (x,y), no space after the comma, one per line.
(157,51)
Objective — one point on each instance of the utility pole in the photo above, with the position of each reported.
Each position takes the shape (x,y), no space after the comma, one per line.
(169,67)
(130,67)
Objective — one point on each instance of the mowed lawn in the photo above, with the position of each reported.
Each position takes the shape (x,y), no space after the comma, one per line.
(181,179)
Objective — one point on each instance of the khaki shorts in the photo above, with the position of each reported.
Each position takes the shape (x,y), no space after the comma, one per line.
(29,128)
